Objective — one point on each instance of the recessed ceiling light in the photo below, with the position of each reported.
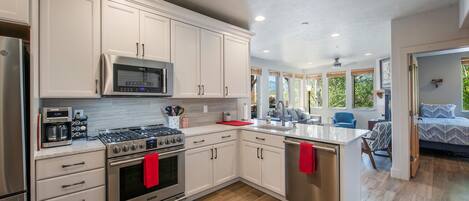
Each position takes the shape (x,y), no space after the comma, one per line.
(266,51)
(368,54)
(310,63)
(335,35)
(259,18)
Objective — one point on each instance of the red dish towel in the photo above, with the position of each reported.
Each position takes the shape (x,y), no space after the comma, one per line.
(150,170)
(307,162)
(235,123)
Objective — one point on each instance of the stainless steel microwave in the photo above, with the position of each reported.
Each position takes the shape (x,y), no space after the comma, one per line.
(127,76)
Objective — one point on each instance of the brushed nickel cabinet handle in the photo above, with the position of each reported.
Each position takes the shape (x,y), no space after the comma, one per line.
(262,153)
(200,141)
(96,86)
(75,184)
(258,152)
(75,164)
(198,93)
(211,151)
(203,89)
(258,138)
(143,50)
(136,44)
(216,153)
(226,136)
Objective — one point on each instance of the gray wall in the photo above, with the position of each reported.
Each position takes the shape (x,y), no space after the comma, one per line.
(448,68)
(123,112)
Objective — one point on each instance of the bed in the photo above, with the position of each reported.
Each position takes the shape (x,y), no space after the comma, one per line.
(440,129)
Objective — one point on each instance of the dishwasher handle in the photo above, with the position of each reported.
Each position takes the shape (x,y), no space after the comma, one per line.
(329,149)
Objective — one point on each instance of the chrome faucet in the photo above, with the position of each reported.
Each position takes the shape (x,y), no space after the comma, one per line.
(282,118)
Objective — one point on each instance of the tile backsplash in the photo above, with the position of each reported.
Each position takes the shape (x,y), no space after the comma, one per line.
(124,112)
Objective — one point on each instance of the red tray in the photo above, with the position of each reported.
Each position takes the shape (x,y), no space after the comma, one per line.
(235,123)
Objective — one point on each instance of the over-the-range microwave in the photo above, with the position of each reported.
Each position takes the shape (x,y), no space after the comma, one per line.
(127,76)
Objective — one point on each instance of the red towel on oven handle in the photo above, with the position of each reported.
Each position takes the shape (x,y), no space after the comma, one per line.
(307,162)
(150,170)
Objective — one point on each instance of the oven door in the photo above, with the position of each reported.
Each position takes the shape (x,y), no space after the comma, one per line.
(133,76)
(125,178)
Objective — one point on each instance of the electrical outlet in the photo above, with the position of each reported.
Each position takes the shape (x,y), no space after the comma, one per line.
(205,108)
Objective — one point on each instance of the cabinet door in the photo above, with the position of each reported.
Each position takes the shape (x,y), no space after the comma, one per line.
(236,67)
(199,170)
(224,163)
(70,48)
(15,11)
(155,36)
(273,169)
(250,162)
(211,73)
(120,30)
(185,55)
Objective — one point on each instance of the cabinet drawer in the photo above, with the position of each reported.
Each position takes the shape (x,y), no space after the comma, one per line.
(63,185)
(94,194)
(200,141)
(261,138)
(226,136)
(53,167)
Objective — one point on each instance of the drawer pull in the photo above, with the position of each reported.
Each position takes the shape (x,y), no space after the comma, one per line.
(75,184)
(71,165)
(259,138)
(226,136)
(200,141)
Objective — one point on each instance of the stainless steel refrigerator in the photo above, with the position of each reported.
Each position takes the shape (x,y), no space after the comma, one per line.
(13,110)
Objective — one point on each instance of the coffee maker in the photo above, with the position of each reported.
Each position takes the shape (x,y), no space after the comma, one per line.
(56,126)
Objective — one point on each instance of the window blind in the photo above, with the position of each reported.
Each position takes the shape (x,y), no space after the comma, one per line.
(274,73)
(256,71)
(465,60)
(336,74)
(363,71)
(316,76)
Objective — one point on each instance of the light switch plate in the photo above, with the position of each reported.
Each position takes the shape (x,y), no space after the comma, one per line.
(205,108)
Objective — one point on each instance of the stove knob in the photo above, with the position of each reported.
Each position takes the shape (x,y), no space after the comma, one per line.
(116,150)
(133,147)
(173,140)
(179,139)
(161,142)
(125,148)
(167,141)
(141,146)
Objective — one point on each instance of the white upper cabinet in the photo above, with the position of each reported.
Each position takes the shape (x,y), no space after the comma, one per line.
(120,29)
(185,55)
(236,54)
(211,71)
(16,11)
(155,36)
(70,48)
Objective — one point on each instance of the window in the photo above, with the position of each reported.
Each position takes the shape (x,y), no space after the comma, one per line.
(296,92)
(273,85)
(363,88)
(286,87)
(336,89)
(465,83)
(314,91)
(255,78)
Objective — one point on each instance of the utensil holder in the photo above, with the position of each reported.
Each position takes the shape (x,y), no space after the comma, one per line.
(173,122)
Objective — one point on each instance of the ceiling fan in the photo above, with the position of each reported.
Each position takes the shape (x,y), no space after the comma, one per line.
(337,63)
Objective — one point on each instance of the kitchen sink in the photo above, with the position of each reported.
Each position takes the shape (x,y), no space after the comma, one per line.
(273,127)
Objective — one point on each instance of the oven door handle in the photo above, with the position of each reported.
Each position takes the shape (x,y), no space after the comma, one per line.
(141,158)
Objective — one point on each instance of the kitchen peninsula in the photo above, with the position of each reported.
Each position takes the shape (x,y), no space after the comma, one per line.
(262,155)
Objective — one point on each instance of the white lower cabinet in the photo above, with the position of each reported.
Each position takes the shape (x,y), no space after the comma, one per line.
(199,170)
(263,165)
(210,166)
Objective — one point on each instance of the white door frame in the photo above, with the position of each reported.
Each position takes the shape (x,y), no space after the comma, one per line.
(400,118)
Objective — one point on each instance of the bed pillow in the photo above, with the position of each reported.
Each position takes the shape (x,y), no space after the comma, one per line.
(438,110)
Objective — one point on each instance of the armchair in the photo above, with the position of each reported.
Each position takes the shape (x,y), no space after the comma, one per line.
(344,120)
(379,139)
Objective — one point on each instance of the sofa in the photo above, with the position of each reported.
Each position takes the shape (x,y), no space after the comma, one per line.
(296,115)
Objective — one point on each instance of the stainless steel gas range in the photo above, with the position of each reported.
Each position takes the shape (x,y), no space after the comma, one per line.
(126,148)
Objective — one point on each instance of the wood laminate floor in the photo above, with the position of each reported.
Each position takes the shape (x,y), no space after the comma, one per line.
(440,178)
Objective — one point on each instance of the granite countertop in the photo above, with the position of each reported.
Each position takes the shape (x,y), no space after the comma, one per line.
(77,146)
(326,133)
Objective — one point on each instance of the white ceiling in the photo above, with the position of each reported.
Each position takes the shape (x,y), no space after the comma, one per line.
(364,25)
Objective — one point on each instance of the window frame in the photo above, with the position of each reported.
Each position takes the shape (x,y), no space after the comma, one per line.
(464,63)
(358,72)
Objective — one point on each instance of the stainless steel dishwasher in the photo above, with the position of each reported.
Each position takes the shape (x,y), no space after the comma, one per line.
(323,185)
